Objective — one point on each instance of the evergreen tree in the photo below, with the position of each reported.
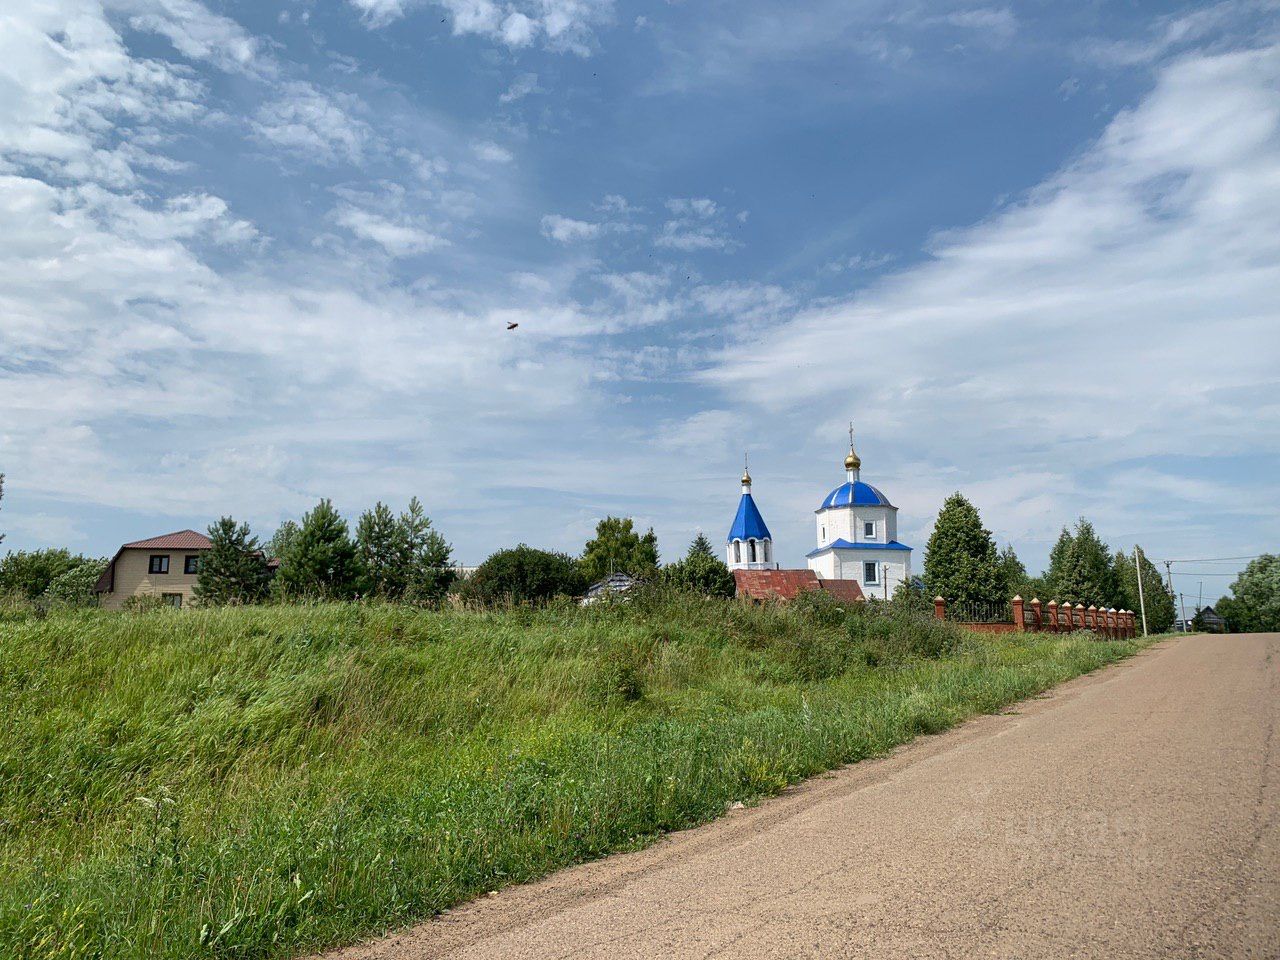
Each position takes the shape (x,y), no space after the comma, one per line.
(384,551)
(1083,571)
(1014,573)
(960,562)
(1057,562)
(429,572)
(1155,594)
(702,546)
(281,540)
(233,569)
(1254,605)
(617,548)
(1,498)
(700,572)
(321,563)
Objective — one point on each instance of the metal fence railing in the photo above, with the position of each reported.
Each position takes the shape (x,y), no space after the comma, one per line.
(980,611)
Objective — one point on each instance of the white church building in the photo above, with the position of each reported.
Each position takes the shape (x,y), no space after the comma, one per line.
(856,529)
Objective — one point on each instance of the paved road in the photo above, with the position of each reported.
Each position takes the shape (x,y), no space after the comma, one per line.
(1132,813)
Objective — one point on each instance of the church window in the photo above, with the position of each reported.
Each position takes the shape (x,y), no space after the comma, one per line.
(869,573)
(824,534)
(751,547)
(764,550)
(869,529)
(737,551)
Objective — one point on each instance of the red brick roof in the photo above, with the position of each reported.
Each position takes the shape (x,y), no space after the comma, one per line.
(181,540)
(788,584)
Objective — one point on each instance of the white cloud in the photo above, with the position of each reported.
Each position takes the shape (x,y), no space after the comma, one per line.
(561,25)
(520,88)
(568,230)
(197,33)
(398,237)
(314,124)
(490,152)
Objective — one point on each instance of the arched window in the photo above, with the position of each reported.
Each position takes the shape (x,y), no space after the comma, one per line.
(752,549)
(764,549)
(737,551)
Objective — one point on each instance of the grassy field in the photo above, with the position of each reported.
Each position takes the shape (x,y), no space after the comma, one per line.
(261,782)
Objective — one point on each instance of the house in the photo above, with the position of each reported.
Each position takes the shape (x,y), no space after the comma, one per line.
(166,567)
(784,585)
(613,586)
(1209,620)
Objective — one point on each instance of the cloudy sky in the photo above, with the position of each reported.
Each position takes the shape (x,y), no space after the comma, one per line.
(257,252)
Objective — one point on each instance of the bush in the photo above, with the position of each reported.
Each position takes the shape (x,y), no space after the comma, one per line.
(75,588)
(144,603)
(700,574)
(523,575)
(29,572)
(888,635)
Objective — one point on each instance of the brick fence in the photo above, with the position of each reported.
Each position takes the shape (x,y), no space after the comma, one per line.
(1053,617)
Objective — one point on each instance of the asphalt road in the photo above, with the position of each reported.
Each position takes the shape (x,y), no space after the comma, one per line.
(1132,813)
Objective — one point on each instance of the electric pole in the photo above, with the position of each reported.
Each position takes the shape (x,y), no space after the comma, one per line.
(1142,600)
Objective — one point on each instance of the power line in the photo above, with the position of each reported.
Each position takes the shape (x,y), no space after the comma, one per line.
(1201,573)
(1215,559)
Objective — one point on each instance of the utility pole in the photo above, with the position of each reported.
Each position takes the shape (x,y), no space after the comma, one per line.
(1182,604)
(1168,572)
(1142,600)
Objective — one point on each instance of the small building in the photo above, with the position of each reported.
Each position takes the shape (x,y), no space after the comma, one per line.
(613,586)
(1209,620)
(167,567)
(749,545)
(857,532)
(784,585)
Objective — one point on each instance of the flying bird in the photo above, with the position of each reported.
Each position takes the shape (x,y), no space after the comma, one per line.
(512,326)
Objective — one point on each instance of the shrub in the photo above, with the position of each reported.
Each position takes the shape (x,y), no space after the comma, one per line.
(523,574)
(75,588)
(29,572)
(700,573)
(144,603)
(886,635)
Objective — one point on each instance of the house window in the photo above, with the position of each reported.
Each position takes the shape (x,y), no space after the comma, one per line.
(870,573)
(191,564)
(172,599)
(737,551)
(159,564)
(869,529)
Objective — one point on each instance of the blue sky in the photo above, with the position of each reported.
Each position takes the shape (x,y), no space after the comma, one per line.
(252,254)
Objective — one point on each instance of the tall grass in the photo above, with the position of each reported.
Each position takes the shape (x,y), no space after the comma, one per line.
(263,781)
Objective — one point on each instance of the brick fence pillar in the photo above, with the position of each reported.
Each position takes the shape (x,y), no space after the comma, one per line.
(1053,615)
(1019,624)
(939,608)
(1079,616)
(1133,624)
(1109,618)
(1037,617)
(1091,618)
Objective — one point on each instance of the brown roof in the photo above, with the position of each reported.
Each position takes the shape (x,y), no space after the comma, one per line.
(181,540)
(788,584)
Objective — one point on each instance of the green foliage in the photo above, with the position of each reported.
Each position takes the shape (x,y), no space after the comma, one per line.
(321,562)
(75,587)
(524,575)
(1081,569)
(618,548)
(960,562)
(28,573)
(1159,602)
(1014,574)
(233,569)
(281,541)
(894,633)
(145,603)
(265,781)
(701,572)
(428,575)
(384,552)
(1,498)
(1254,604)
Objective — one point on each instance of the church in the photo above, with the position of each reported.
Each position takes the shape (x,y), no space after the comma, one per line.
(855,526)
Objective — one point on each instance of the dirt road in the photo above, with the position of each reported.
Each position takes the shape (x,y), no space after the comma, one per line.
(1132,813)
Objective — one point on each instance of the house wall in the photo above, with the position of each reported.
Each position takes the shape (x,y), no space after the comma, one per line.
(132,578)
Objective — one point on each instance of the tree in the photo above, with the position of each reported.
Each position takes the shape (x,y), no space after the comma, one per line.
(1159,602)
(1,498)
(524,575)
(1254,604)
(1081,569)
(700,572)
(76,587)
(960,562)
(617,548)
(384,551)
(321,562)
(1014,573)
(233,569)
(29,572)
(281,541)
(429,572)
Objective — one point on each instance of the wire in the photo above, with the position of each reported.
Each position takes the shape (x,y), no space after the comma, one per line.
(1213,559)
(1202,573)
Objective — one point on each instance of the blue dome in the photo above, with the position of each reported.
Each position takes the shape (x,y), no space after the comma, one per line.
(748,524)
(855,493)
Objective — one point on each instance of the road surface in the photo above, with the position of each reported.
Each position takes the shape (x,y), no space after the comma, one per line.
(1131,813)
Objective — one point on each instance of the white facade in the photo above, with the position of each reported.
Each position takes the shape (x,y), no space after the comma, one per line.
(749,545)
(857,534)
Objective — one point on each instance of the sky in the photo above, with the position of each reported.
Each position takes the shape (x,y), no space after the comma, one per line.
(253,254)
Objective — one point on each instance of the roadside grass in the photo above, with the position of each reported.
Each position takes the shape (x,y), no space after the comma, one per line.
(267,781)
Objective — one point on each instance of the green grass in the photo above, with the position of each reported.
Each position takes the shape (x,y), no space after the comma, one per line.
(266,781)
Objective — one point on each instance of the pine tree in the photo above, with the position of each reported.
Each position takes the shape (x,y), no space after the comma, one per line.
(281,540)
(321,563)
(428,556)
(233,569)
(617,548)
(384,552)
(702,546)
(1084,571)
(960,562)
(1014,573)
(1,498)
(1155,593)
(700,572)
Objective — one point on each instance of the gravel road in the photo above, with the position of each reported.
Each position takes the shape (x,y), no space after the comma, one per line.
(1131,813)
